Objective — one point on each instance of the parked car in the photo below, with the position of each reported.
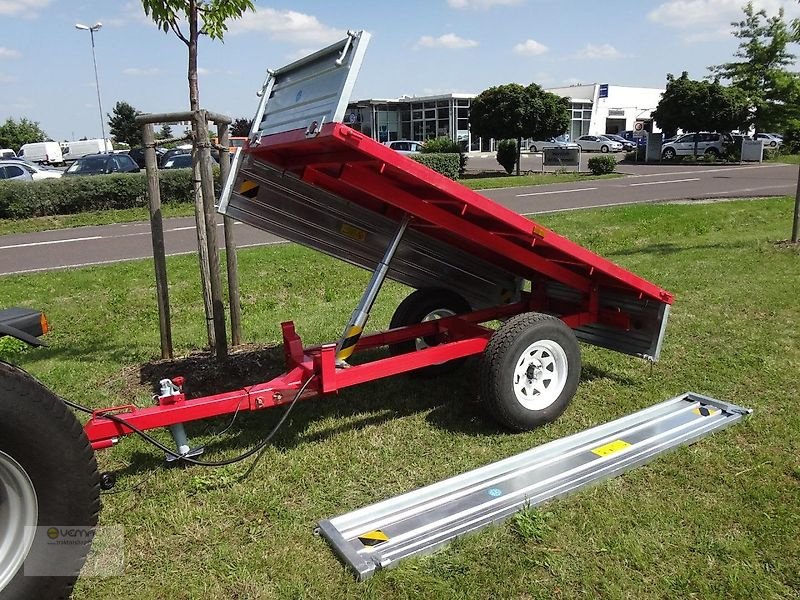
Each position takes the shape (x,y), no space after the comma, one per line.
(629,135)
(180,161)
(7,153)
(75,150)
(539,145)
(36,172)
(42,153)
(405,146)
(588,143)
(627,145)
(137,154)
(712,144)
(12,170)
(181,151)
(100,164)
(772,140)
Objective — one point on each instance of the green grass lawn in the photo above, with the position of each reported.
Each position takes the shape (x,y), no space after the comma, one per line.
(128,215)
(791,159)
(719,519)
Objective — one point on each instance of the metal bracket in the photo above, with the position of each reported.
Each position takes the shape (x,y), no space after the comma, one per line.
(351,35)
(315,127)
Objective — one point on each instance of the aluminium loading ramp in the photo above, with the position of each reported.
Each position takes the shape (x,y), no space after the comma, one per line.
(418,522)
(308,177)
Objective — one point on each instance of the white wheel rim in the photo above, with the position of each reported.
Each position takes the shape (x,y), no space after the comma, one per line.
(439,313)
(19,514)
(540,374)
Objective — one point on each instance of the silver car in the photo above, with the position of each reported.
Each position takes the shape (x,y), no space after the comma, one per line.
(24,171)
(598,143)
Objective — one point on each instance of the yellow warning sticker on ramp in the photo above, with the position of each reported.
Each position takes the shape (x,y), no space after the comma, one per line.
(248,189)
(611,448)
(373,538)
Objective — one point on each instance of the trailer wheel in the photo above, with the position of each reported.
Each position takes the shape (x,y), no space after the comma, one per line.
(530,371)
(428,304)
(48,479)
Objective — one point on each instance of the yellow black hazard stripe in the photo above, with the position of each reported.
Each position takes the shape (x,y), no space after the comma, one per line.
(373,538)
(349,344)
(248,189)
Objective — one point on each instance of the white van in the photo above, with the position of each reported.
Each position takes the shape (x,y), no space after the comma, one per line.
(7,153)
(79,149)
(42,152)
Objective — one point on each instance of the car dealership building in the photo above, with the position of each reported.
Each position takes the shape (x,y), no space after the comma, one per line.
(596,109)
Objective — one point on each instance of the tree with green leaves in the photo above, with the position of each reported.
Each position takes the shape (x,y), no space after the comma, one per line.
(762,69)
(15,134)
(694,105)
(122,125)
(241,127)
(202,17)
(164,133)
(513,111)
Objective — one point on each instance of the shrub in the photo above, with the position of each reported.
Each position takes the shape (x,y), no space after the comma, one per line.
(444,145)
(507,154)
(791,137)
(70,195)
(771,153)
(602,165)
(445,163)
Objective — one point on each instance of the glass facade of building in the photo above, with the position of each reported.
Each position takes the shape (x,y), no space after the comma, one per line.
(421,119)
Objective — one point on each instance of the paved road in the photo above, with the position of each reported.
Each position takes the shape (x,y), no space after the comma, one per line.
(84,246)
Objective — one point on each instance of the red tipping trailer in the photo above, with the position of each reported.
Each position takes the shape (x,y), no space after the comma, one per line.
(311,179)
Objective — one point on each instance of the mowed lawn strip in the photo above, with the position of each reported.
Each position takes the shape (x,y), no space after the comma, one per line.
(718,519)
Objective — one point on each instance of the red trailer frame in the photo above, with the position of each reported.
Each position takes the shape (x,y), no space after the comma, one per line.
(338,191)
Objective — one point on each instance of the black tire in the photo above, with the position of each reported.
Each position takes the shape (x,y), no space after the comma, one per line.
(604,149)
(712,152)
(668,154)
(533,149)
(414,309)
(43,436)
(505,353)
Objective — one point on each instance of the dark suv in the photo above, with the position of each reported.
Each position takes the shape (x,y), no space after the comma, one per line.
(102,164)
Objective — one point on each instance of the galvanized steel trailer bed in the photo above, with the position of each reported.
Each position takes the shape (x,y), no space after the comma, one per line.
(310,178)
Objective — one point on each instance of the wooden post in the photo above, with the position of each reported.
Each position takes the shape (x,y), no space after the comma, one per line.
(796,218)
(209,213)
(202,248)
(232,261)
(157,234)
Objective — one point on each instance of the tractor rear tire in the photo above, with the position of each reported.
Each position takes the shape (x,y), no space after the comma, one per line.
(427,304)
(48,479)
(530,371)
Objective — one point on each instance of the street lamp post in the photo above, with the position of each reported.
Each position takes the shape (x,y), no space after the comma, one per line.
(91,30)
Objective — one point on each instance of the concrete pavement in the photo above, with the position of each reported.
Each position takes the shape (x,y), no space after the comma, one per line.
(58,249)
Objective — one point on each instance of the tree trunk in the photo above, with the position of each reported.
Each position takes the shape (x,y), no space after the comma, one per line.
(194,34)
(519,153)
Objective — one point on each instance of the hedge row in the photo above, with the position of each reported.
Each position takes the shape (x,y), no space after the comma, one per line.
(445,163)
(69,195)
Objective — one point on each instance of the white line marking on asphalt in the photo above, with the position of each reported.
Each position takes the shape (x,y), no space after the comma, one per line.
(556,192)
(694,171)
(119,260)
(29,244)
(663,182)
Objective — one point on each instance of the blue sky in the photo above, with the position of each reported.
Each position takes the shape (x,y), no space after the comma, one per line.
(419,47)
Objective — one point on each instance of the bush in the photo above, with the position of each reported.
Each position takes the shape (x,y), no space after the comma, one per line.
(444,145)
(602,165)
(771,153)
(445,163)
(507,154)
(791,137)
(70,195)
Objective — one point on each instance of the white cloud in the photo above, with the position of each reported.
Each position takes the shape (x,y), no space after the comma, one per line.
(9,53)
(6,78)
(203,71)
(530,48)
(481,4)
(598,51)
(22,8)
(287,25)
(143,72)
(299,53)
(712,15)
(448,40)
